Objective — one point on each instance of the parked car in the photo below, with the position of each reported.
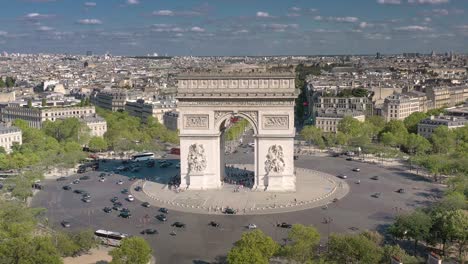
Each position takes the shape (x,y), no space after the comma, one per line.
(252,226)
(138,189)
(284,225)
(342,176)
(146,204)
(65,224)
(79,191)
(163,210)
(107,209)
(356,169)
(149,231)
(66,187)
(401,191)
(124,191)
(86,200)
(178,225)
(349,158)
(375,178)
(214,224)
(125,214)
(377,195)
(76,181)
(114,199)
(161,217)
(102,179)
(229,211)
(130,198)
(85,178)
(120,182)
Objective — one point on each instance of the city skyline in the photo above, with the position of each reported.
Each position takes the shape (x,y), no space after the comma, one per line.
(188,27)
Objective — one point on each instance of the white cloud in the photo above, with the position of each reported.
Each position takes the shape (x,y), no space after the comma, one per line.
(377,36)
(262,14)
(429,2)
(293,14)
(36,16)
(414,28)
(90,4)
(89,21)
(163,13)
(295,9)
(133,2)
(280,27)
(389,2)
(179,35)
(318,18)
(440,12)
(44,28)
(344,19)
(365,25)
(197,29)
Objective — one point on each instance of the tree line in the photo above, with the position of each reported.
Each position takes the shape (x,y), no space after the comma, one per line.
(8,82)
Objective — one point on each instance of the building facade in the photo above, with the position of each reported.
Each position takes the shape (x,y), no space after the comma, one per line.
(447,96)
(96,124)
(328,120)
(143,110)
(170,120)
(110,100)
(427,126)
(362,104)
(8,136)
(399,106)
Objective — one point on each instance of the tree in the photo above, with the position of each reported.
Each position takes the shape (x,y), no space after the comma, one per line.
(28,249)
(2,83)
(350,126)
(10,81)
(2,150)
(85,240)
(353,249)
(314,135)
(29,103)
(398,130)
(416,144)
(304,240)
(65,244)
(412,121)
(253,247)
(44,102)
(443,140)
(415,226)
(97,144)
(132,250)
(459,223)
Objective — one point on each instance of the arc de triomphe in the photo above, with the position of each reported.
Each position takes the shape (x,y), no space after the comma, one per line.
(207,101)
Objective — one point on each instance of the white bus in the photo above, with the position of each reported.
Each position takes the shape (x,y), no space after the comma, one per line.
(110,238)
(143,156)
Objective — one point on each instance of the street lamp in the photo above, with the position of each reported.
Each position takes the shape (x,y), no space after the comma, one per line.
(328,220)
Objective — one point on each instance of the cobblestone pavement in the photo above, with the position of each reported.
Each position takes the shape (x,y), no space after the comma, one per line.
(314,188)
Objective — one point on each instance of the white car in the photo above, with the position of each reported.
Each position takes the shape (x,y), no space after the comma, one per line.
(357,169)
(177,165)
(102,179)
(343,176)
(120,182)
(252,226)
(130,198)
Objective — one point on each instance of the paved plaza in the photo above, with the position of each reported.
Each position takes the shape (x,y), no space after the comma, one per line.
(314,189)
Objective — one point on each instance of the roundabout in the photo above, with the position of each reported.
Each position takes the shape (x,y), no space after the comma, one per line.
(314,188)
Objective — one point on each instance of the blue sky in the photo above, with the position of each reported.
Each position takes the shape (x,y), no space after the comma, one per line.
(233,27)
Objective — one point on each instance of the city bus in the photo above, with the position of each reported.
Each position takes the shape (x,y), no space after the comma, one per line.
(143,156)
(110,238)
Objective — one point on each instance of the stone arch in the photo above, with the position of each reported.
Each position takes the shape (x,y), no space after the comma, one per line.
(251,117)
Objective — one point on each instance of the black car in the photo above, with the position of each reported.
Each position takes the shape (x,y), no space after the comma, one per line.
(66,188)
(145,204)
(284,225)
(229,211)
(163,210)
(84,178)
(62,179)
(214,224)
(138,189)
(107,209)
(114,199)
(375,178)
(65,224)
(125,210)
(103,174)
(79,191)
(401,191)
(161,217)
(349,158)
(124,191)
(149,231)
(178,224)
(117,204)
(76,181)
(86,196)
(376,195)
(86,200)
(125,214)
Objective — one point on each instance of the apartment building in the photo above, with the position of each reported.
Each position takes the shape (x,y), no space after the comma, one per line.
(399,106)
(362,104)
(143,110)
(8,136)
(170,120)
(110,100)
(96,124)
(328,120)
(447,96)
(427,126)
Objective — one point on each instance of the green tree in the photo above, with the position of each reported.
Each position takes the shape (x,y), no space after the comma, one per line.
(415,226)
(353,249)
(416,144)
(132,250)
(2,83)
(29,103)
(85,240)
(65,244)
(398,130)
(304,240)
(97,144)
(459,223)
(443,140)
(44,102)
(313,135)
(350,126)
(412,121)
(10,81)
(253,248)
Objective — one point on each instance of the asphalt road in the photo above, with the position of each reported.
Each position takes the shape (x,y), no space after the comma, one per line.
(201,243)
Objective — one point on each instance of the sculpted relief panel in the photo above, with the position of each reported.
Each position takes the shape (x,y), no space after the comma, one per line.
(196,158)
(276,122)
(196,121)
(275,160)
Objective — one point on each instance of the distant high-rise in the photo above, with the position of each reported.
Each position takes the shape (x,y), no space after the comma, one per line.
(89,53)
(378,56)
